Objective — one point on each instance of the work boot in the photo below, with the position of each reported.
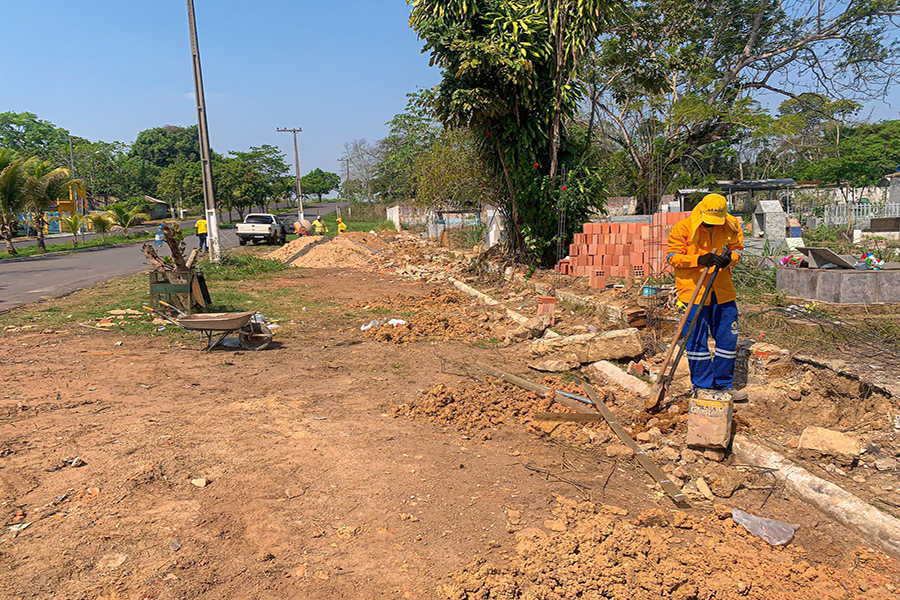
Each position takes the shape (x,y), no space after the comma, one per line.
(737,395)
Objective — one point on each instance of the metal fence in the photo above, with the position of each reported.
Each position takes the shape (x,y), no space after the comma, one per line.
(859,215)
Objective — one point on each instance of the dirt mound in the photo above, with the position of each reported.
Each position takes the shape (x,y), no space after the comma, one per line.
(289,250)
(367,239)
(594,554)
(495,402)
(823,398)
(337,252)
(430,326)
(437,299)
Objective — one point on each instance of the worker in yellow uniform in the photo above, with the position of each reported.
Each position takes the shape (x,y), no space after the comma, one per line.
(341,227)
(202,229)
(695,244)
(319,226)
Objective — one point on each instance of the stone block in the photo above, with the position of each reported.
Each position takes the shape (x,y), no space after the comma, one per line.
(832,443)
(593,347)
(607,370)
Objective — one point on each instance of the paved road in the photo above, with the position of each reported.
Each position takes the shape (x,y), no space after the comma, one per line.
(313,210)
(31,280)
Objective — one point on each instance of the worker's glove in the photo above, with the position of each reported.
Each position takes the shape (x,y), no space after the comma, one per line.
(722,261)
(707,260)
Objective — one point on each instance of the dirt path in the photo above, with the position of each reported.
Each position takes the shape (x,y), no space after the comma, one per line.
(314,489)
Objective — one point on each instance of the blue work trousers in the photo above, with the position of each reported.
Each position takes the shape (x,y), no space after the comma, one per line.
(719,321)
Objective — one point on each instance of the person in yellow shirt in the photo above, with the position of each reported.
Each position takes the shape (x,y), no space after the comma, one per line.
(319,226)
(696,243)
(341,227)
(202,230)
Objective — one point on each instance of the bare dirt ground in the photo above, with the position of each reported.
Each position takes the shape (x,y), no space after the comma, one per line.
(321,481)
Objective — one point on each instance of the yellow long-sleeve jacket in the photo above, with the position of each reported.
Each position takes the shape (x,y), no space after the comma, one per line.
(689,240)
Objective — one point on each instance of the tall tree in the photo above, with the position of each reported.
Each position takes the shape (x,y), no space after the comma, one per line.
(674,78)
(28,135)
(319,183)
(268,166)
(12,195)
(161,146)
(361,158)
(509,72)
(45,186)
(412,132)
(181,184)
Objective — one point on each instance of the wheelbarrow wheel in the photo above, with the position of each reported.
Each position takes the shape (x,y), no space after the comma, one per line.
(256,336)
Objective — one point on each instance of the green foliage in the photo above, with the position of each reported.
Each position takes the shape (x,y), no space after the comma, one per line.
(234,267)
(412,133)
(676,84)
(319,182)
(74,223)
(91,243)
(453,173)
(509,74)
(28,135)
(101,223)
(181,185)
(45,186)
(862,156)
(127,218)
(12,194)
(162,146)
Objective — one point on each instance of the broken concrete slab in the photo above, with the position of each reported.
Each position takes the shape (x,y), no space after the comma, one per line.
(610,372)
(593,347)
(881,528)
(556,364)
(830,442)
(536,326)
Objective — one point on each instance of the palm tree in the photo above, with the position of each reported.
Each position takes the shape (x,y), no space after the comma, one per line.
(12,190)
(73,224)
(45,187)
(101,223)
(126,218)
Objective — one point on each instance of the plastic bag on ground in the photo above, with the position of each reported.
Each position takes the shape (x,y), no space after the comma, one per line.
(777,533)
(372,323)
(396,322)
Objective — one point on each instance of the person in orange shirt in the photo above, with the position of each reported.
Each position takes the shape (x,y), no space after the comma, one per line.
(697,243)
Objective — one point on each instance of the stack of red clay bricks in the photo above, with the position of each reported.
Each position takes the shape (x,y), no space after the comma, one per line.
(620,249)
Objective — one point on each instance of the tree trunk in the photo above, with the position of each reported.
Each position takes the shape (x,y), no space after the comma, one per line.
(6,233)
(39,225)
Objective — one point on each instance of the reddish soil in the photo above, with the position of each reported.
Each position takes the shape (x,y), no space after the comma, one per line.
(314,489)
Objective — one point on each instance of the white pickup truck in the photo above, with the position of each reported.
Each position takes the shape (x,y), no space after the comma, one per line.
(259,227)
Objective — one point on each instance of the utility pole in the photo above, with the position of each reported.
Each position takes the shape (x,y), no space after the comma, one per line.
(296,168)
(209,201)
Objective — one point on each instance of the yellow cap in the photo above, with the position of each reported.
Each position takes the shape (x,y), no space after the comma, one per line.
(713,209)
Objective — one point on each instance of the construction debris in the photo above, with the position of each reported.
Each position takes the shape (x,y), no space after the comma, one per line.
(833,443)
(556,364)
(593,347)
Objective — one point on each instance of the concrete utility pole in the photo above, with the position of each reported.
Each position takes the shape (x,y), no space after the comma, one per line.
(296,167)
(209,202)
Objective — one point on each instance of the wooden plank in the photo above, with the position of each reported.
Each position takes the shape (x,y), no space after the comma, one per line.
(661,478)
(170,288)
(567,417)
(580,405)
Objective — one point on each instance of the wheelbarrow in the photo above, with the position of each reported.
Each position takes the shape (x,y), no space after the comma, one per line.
(253,335)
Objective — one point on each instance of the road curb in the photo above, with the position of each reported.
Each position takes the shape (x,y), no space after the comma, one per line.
(50,255)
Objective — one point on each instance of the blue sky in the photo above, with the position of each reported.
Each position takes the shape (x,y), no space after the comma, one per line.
(106,69)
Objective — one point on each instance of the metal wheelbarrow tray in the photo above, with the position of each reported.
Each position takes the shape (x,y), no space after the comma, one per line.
(253,335)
